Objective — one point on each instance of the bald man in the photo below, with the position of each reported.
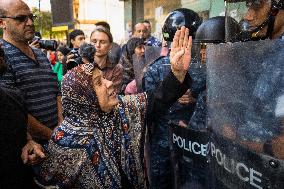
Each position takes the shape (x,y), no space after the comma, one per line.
(29,70)
(151,40)
(140,31)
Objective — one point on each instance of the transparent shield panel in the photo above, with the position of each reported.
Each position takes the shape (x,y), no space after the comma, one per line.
(234,11)
(189,149)
(152,53)
(245,99)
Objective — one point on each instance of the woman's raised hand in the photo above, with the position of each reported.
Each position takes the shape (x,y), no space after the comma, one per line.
(180,55)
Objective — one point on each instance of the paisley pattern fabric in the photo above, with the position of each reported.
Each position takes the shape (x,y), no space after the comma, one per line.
(93,149)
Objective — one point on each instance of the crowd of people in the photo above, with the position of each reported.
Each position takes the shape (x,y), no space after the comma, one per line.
(97,115)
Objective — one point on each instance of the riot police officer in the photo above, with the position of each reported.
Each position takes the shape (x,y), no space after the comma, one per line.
(160,172)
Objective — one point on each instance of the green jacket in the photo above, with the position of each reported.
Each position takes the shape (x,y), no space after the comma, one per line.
(57,68)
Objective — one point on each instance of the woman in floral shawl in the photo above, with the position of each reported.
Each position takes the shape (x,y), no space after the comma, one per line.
(100,142)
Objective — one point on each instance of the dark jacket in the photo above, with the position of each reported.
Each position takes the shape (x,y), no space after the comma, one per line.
(13,137)
(159,152)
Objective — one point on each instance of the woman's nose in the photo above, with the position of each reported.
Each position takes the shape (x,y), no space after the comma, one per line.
(97,45)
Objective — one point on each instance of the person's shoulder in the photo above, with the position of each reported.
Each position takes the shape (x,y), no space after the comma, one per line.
(5,44)
(57,65)
(11,94)
(152,38)
(41,56)
(12,53)
(9,49)
(160,61)
(157,65)
(115,45)
(38,51)
(78,72)
(155,40)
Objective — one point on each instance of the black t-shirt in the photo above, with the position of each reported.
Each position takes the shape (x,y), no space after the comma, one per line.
(13,133)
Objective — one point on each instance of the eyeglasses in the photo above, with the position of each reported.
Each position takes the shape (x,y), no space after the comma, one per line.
(22,18)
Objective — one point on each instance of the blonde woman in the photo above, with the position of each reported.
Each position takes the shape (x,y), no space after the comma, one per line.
(102,39)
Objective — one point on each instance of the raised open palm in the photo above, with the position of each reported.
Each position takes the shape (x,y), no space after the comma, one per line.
(180,54)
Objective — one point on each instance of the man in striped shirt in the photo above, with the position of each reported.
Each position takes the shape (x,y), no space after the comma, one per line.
(29,70)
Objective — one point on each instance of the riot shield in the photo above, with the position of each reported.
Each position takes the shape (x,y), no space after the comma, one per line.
(189,145)
(241,145)
(245,86)
(189,149)
(140,64)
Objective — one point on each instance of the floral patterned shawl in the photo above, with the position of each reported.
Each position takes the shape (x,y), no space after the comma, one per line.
(93,149)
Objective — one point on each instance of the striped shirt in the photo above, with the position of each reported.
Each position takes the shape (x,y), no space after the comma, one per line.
(36,81)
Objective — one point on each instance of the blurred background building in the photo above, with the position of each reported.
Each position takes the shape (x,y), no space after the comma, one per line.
(88,12)
(122,15)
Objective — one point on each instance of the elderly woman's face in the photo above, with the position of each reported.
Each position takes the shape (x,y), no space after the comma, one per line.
(105,91)
(101,41)
(140,51)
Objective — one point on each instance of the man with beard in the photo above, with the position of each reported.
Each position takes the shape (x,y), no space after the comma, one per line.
(29,70)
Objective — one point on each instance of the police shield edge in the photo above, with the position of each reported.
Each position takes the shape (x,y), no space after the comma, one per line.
(245,83)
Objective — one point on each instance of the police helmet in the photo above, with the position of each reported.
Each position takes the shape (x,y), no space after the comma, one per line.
(218,30)
(178,18)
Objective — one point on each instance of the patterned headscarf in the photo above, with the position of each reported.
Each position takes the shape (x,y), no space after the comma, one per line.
(132,44)
(91,148)
(126,59)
